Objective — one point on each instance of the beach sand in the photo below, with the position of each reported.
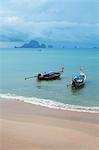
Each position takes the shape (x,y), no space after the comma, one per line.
(25,126)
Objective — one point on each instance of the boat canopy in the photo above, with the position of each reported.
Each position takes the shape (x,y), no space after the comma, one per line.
(78,77)
(51,73)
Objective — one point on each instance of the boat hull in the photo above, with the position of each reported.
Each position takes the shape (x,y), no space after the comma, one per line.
(46,77)
(77,85)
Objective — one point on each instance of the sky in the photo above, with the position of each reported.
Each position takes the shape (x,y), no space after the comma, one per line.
(73,21)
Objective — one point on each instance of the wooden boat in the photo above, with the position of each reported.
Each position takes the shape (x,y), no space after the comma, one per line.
(79,79)
(50,75)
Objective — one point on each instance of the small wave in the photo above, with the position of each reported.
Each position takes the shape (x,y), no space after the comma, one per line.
(50,103)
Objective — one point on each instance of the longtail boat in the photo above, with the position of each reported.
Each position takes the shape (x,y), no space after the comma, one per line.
(50,75)
(79,79)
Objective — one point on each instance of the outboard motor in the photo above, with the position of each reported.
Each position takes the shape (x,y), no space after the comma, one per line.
(39,76)
(73,83)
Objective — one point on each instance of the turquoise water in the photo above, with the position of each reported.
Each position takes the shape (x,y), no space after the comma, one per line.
(16,64)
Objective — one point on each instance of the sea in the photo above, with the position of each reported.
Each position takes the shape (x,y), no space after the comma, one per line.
(16,64)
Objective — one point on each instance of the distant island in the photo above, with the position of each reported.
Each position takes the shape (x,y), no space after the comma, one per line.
(37,44)
(34,44)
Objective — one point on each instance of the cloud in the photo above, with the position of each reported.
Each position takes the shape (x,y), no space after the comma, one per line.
(67,20)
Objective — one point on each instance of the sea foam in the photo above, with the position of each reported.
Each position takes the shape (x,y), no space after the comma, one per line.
(50,103)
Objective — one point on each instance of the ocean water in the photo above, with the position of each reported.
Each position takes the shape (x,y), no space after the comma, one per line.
(16,64)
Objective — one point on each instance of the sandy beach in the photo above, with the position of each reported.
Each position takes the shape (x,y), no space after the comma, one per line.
(25,126)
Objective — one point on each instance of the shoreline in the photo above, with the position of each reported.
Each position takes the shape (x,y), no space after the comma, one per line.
(50,103)
(47,111)
(26,126)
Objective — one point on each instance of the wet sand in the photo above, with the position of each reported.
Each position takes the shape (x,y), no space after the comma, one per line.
(29,127)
